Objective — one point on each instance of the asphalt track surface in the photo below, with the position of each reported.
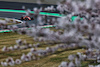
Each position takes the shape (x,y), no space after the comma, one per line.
(18,6)
(16,15)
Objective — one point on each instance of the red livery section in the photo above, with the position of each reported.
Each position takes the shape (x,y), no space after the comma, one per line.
(27,18)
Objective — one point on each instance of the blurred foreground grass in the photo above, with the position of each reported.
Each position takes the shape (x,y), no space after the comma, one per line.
(53,60)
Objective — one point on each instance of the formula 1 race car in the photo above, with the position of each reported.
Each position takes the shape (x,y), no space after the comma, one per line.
(27,18)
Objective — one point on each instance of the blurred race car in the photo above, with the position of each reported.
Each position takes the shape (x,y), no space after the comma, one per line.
(27,18)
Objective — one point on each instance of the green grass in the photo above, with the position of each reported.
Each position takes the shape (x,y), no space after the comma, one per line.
(2,19)
(52,60)
(11,23)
